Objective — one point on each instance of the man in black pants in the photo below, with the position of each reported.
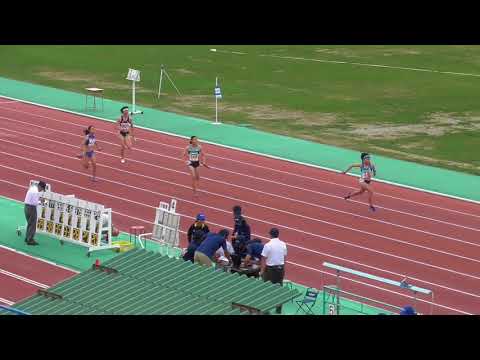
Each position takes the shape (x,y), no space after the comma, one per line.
(31,202)
(273,261)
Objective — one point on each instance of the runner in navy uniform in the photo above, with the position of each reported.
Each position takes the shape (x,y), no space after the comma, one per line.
(194,157)
(367,171)
(125,125)
(89,147)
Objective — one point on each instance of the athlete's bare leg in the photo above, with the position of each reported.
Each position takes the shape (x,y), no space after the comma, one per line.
(194,179)
(94,168)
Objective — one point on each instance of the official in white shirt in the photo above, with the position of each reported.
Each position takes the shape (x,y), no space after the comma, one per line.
(273,260)
(31,202)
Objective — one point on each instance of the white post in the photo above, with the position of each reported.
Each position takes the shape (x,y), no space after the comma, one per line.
(216,102)
(160,85)
(133,95)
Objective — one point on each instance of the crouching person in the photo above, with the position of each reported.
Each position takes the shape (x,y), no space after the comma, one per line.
(204,254)
(194,243)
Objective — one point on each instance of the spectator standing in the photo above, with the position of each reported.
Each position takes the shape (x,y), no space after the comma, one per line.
(273,260)
(237,217)
(204,254)
(32,199)
(198,226)
(241,239)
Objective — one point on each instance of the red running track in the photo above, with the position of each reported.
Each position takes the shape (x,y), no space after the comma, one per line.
(431,239)
(21,276)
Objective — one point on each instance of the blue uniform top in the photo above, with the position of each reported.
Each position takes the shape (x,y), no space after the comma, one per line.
(211,244)
(255,249)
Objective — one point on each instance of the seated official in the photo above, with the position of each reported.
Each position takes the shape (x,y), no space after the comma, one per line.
(198,226)
(204,255)
(254,251)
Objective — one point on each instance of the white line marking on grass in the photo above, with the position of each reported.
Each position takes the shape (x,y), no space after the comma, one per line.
(370,65)
(349,63)
(262,154)
(402,275)
(228,52)
(418,262)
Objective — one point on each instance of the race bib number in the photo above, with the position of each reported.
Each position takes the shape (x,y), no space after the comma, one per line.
(194,157)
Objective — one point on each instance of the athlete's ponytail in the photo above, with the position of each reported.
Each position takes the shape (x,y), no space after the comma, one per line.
(87,130)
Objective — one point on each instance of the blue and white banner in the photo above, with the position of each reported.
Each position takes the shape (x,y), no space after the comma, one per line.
(218,92)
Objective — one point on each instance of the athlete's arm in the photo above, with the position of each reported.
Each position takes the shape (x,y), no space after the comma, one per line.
(185,155)
(98,147)
(131,128)
(351,166)
(203,157)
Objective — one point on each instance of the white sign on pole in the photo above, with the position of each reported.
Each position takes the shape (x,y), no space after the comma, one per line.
(218,92)
(133,75)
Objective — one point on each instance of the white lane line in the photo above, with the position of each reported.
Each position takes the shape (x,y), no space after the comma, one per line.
(274,209)
(262,155)
(24,279)
(270,223)
(6,302)
(257,205)
(259,191)
(301,248)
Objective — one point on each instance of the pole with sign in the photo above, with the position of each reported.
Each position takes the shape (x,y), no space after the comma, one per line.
(134,76)
(218,95)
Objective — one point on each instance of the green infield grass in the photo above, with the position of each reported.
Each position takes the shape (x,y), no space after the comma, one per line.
(417,103)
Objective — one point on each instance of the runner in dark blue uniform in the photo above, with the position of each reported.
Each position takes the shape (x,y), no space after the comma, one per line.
(367,171)
(89,147)
(194,156)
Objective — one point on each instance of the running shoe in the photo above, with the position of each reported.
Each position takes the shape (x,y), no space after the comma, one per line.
(372,208)
(347,197)
(122,161)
